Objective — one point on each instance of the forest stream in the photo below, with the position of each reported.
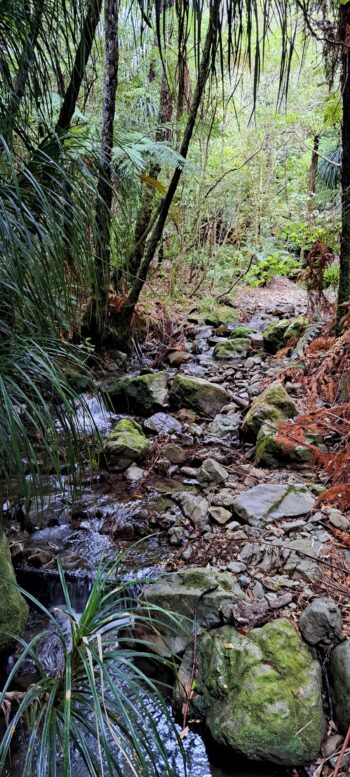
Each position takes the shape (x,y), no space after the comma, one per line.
(154,503)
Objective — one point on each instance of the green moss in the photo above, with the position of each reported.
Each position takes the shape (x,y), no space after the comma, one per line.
(142,394)
(215,316)
(126,444)
(262,693)
(273,405)
(231,349)
(277,334)
(241,331)
(270,452)
(200,395)
(13,608)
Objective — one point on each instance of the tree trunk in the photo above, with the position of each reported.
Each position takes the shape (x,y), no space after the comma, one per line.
(313,173)
(104,189)
(344,279)
(157,230)
(81,59)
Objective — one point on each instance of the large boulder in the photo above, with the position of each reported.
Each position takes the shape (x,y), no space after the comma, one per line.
(200,395)
(125,444)
(235,348)
(143,394)
(271,450)
(277,334)
(272,406)
(222,314)
(13,607)
(339,667)
(271,502)
(182,597)
(260,694)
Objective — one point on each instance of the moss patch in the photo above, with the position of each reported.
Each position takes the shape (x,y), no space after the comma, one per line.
(126,444)
(273,405)
(200,395)
(144,394)
(13,607)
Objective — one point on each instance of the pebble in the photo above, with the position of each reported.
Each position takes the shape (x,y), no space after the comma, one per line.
(236,567)
(244,581)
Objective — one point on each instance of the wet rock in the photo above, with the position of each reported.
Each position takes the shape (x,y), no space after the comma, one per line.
(200,395)
(273,405)
(195,508)
(234,348)
(174,453)
(39,558)
(125,445)
(162,423)
(220,515)
(176,358)
(225,425)
(183,593)
(142,394)
(13,607)
(321,622)
(260,694)
(211,471)
(133,474)
(339,667)
(271,502)
(277,334)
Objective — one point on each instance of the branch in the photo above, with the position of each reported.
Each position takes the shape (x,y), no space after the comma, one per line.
(234,169)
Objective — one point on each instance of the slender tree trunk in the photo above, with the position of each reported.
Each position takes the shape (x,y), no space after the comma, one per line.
(312,174)
(105,190)
(157,231)
(21,78)
(344,279)
(81,59)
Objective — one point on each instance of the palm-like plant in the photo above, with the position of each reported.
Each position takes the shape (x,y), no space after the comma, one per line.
(90,706)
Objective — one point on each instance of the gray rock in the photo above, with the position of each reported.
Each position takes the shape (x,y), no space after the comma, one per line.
(220,515)
(340,683)
(265,503)
(321,622)
(181,593)
(134,473)
(223,499)
(210,470)
(142,394)
(236,567)
(202,396)
(195,508)
(162,423)
(225,425)
(337,519)
(176,358)
(174,453)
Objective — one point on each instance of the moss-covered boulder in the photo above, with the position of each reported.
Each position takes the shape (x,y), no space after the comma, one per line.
(271,451)
(235,347)
(274,405)
(261,694)
(178,599)
(277,334)
(222,314)
(143,394)
(200,395)
(125,444)
(13,607)
(241,331)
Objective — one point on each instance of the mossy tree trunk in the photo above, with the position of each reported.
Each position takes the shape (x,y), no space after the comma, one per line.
(344,279)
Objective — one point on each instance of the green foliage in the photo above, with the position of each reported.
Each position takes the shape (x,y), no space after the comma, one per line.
(299,236)
(331,275)
(89,701)
(265,269)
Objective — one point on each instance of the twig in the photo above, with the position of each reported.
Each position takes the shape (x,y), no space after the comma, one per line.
(186,706)
(236,282)
(341,754)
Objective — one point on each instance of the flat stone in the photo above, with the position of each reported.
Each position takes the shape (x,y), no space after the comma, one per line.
(176,358)
(321,622)
(212,471)
(265,503)
(162,423)
(219,515)
(337,519)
